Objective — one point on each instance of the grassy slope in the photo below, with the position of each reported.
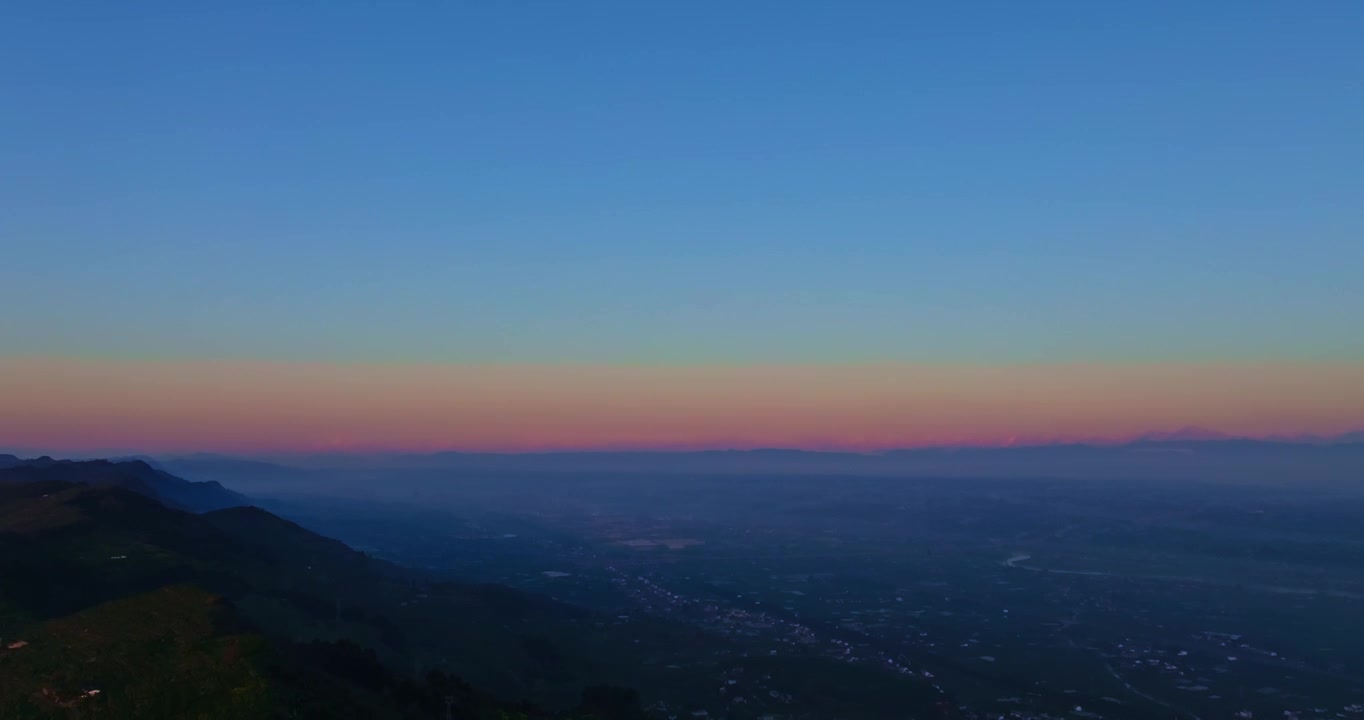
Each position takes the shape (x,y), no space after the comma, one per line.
(137,589)
(161,654)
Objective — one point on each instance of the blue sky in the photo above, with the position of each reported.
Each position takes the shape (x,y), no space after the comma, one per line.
(683,182)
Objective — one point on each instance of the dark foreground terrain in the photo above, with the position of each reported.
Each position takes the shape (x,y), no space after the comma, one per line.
(114,605)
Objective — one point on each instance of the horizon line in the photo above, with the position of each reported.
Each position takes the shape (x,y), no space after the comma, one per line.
(1185,435)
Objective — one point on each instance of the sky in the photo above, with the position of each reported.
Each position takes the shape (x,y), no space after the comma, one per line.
(204,199)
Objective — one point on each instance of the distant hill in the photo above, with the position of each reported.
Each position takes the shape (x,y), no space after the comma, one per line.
(114,605)
(250,476)
(1352,437)
(136,475)
(1185,434)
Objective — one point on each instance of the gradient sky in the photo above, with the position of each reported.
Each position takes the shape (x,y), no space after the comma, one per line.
(729,186)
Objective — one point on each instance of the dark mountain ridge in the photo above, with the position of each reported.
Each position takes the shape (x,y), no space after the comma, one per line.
(242,613)
(136,475)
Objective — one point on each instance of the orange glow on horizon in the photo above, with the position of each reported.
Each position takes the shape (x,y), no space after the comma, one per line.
(249,406)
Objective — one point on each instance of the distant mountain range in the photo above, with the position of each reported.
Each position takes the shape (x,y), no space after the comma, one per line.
(304,469)
(1192,454)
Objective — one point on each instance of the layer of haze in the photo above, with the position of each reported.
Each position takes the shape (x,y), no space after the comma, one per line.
(243,406)
(683,183)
